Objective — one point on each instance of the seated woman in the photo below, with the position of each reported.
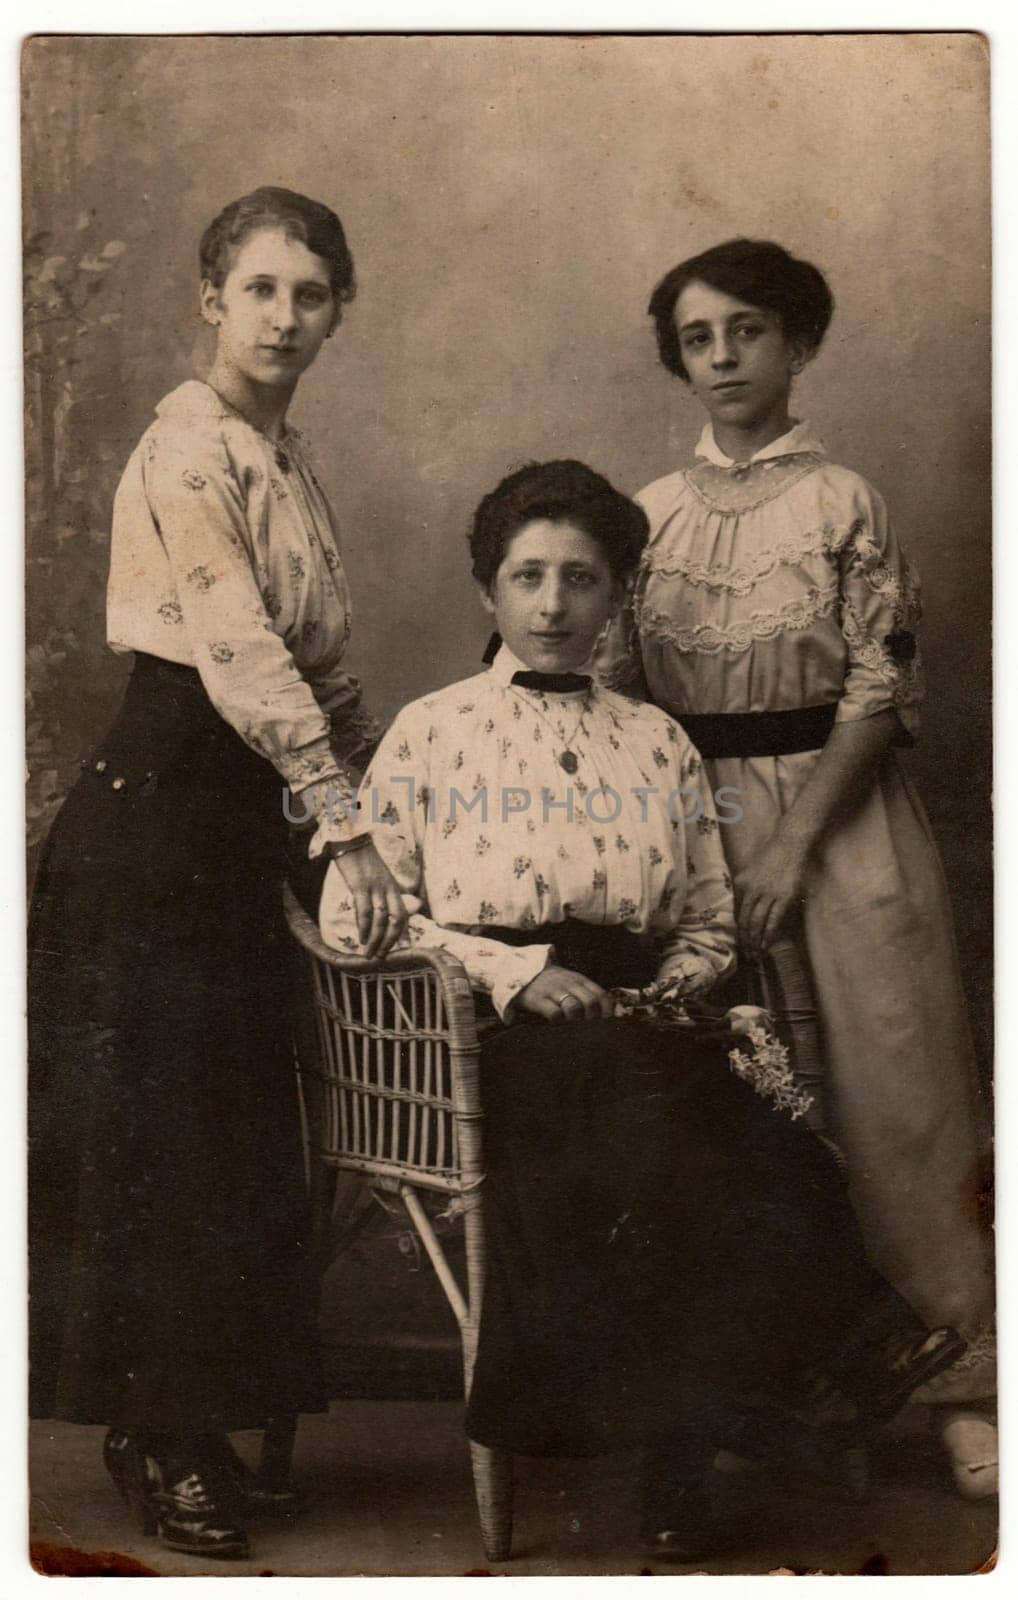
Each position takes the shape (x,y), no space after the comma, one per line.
(665,1245)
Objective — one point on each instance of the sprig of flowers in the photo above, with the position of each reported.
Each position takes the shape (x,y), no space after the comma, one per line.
(660,1003)
(768,1073)
(763,1064)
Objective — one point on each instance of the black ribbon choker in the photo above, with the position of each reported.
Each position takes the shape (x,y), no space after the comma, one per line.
(551,682)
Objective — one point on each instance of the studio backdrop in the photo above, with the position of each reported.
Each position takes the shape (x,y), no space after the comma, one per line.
(510,203)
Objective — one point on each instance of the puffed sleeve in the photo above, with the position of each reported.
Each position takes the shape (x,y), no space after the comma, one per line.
(197,502)
(394,802)
(880,611)
(699,944)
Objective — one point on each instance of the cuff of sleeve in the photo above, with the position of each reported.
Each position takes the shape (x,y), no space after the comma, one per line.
(692,973)
(311,764)
(516,968)
(333,833)
(333,803)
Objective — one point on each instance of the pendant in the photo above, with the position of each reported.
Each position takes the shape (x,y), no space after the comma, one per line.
(568,762)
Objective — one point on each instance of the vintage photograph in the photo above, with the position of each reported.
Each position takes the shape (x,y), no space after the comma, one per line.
(510,926)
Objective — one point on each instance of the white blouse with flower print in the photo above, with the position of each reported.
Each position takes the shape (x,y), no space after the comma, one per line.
(224,558)
(478,821)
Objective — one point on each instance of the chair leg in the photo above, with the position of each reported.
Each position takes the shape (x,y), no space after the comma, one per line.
(492,1469)
(493,1486)
(276,1460)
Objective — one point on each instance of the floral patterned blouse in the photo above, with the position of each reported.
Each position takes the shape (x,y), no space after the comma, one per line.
(224,558)
(770,585)
(480,823)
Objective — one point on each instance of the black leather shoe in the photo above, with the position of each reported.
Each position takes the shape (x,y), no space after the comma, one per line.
(903,1364)
(135,1474)
(173,1501)
(245,1486)
(190,1516)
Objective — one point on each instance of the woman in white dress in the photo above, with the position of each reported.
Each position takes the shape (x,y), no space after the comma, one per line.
(775,616)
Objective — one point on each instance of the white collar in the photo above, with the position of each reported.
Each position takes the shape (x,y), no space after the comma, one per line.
(505,664)
(799,440)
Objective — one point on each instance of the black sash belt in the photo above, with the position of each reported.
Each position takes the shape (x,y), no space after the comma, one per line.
(760,733)
(609,954)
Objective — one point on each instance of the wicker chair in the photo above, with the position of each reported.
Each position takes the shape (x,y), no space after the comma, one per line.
(389,1089)
(388,1073)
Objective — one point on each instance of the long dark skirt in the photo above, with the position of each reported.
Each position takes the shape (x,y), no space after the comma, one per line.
(658,1233)
(167,1207)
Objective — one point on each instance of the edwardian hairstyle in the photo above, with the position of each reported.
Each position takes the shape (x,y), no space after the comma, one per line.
(753,270)
(557,491)
(307,220)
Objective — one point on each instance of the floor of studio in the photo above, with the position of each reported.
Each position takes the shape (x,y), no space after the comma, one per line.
(387,1491)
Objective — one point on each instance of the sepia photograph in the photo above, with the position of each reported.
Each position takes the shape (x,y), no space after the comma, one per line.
(509,843)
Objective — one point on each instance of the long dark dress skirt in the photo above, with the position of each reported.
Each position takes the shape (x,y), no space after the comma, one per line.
(659,1234)
(169,1242)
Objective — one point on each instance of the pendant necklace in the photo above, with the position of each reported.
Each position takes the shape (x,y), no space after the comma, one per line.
(567,759)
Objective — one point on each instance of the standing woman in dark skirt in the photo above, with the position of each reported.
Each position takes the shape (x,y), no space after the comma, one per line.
(170,1293)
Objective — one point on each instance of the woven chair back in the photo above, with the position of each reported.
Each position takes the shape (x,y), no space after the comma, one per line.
(391,1088)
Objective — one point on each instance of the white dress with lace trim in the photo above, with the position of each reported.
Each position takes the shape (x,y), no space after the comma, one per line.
(772,586)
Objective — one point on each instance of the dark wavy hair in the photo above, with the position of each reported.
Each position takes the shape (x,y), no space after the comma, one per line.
(754,270)
(557,491)
(307,220)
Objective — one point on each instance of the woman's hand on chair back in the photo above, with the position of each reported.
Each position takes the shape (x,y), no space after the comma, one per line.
(378,904)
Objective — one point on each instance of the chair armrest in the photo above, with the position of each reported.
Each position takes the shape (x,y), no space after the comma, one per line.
(450,973)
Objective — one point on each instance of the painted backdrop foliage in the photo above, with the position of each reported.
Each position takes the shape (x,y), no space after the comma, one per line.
(68,482)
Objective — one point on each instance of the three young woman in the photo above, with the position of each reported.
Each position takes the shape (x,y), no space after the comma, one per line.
(169,1292)
(170,1299)
(775,615)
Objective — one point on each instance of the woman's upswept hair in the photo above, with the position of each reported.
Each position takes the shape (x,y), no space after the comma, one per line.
(307,220)
(557,491)
(754,270)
